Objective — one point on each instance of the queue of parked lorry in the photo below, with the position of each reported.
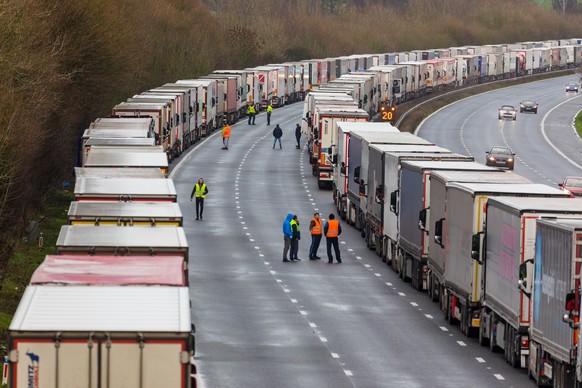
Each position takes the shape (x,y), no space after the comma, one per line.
(112,307)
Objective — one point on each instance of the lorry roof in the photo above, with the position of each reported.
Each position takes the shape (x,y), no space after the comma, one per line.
(110,270)
(409,148)
(491,176)
(131,148)
(566,205)
(120,141)
(445,165)
(150,187)
(136,236)
(350,126)
(390,137)
(117,132)
(477,188)
(127,159)
(112,309)
(121,172)
(125,209)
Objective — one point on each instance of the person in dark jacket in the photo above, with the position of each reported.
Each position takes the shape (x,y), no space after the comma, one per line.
(277,134)
(287,234)
(332,230)
(296,236)
(298,135)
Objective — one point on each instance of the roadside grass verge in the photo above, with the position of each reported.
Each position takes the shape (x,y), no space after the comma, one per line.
(578,123)
(28,255)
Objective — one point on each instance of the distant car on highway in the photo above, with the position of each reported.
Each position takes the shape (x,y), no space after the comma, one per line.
(507,112)
(528,106)
(572,185)
(500,157)
(572,86)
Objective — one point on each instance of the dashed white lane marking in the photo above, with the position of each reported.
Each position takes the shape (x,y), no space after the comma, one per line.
(313,325)
(293,300)
(257,248)
(348,372)
(428,316)
(480,360)
(302,312)
(342,242)
(251,239)
(286,290)
(498,376)
(272,272)
(278,280)
(335,355)
(414,304)
(389,284)
(401,294)
(358,257)
(461,343)
(443,328)
(367,265)
(377,274)
(350,250)
(323,339)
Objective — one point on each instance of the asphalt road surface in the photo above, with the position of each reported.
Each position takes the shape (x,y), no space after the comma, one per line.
(264,323)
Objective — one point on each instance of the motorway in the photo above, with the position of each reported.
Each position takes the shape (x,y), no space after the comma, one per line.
(264,323)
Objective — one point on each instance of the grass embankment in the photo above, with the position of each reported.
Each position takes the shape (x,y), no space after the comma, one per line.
(28,255)
(578,123)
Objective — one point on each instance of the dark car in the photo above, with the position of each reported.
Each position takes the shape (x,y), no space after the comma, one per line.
(572,185)
(572,86)
(528,106)
(507,112)
(500,157)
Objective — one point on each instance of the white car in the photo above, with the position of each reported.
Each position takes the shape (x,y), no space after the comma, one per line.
(507,112)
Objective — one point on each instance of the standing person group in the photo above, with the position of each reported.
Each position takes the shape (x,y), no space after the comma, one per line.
(225,136)
(199,191)
(292,234)
(251,112)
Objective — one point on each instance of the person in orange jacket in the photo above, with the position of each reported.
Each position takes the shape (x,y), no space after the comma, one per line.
(332,230)
(316,233)
(225,136)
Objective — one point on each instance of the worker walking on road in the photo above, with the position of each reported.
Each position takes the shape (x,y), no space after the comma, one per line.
(199,191)
(298,135)
(277,134)
(225,136)
(316,230)
(287,235)
(332,230)
(269,111)
(296,236)
(251,112)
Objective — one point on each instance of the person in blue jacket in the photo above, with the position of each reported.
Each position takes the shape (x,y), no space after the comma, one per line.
(287,235)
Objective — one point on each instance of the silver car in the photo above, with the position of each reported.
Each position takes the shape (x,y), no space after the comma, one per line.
(507,112)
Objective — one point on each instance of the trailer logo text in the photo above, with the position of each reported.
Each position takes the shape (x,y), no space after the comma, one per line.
(33,370)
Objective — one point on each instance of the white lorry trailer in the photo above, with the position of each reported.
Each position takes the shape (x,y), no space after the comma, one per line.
(439,182)
(511,232)
(413,211)
(554,345)
(341,159)
(463,277)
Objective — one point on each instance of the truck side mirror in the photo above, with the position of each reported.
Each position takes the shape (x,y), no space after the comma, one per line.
(343,169)
(379,195)
(422,219)
(570,304)
(438,232)
(522,278)
(334,159)
(361,188)
(393,202)
(476,247)
(357,175)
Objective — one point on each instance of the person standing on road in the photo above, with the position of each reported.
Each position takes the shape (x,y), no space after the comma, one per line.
(251,112)
(315,229)
(298,135)
(296,236)
(225,136)
(277,134)
(269,111)
(332,230)
(199,191)
(287,235)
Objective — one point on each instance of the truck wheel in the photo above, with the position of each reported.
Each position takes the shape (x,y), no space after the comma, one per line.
(321,184)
